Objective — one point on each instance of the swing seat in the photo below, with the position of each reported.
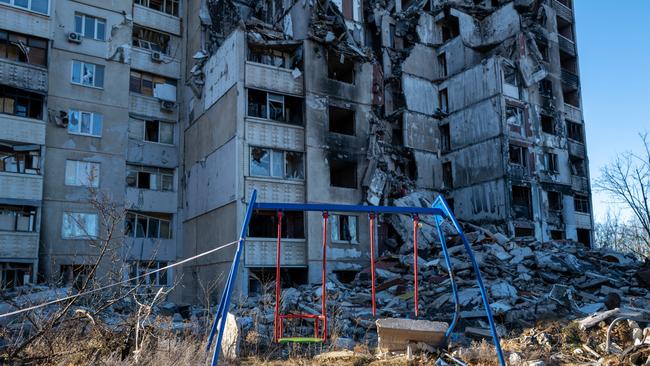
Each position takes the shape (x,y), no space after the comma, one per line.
(300,340)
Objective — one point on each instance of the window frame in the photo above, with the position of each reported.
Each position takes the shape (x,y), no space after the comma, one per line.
(271,151)
(551,163)
(137,216)
(30,40)
(20,160)
(157,171)
(336,227)
(16,212)
(78,166)
(96,22)
(93,121)
(14,94)
(12,4)
(581,204)
(86,235)
(81,67)
(135,270)
(141,41)
(175,4)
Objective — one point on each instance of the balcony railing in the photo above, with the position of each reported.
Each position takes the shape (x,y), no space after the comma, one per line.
(567,45)
(572,113)
(563,10)
(571,80)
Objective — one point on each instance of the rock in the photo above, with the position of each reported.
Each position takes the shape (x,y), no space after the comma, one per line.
(167,308)
(231,338)
(515,359)
(177,318)
(503,290)
(498,251)
(345,343)
(290,298)
(500,238)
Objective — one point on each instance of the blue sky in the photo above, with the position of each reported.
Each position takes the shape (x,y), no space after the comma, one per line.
(614,58)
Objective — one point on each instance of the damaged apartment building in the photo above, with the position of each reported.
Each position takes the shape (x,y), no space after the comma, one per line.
(366,101)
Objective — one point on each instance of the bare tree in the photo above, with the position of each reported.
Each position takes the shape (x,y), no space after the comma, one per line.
(627,180)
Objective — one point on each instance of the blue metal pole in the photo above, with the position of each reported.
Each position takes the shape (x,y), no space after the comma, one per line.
(441,202)
(450,270)
(322,207)
(232,278)
(217,315)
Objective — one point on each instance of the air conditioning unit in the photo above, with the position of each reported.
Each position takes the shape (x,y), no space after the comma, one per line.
(167,105)
(74,37)
(156,56)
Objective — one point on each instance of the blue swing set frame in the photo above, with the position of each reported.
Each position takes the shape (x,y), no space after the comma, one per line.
(440,210)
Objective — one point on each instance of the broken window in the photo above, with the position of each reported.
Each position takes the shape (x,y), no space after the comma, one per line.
(20,159)
(87,74)
(77,225)
(550,163)
(546,88)
(20,103)
(574,131)
(14,274)
(140,268)
(274,57)
(264,224)
(166,6)
(514,115)
(344,228)
(17,218)
(447,175)
(89,26)
(581,203)
(443,100)
(343,173)
(544,50)
(153,131)
(265,162)
(521,204)
(547,124)
(577,166)
(557,234)
(510,75)
(85,123)
(450,27)
(445,137)
(150,39)
(524,231)
(39,6)
(554,200)
(518,155)
(442,64)
(144,83)
(584,236)
(571,98)
(23,48)
(153,178)
(81,173)
(276,107)
(340,68)
(341,121)
(148,225)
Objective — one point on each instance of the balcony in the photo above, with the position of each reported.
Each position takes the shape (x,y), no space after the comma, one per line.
(570,81)
(273,78)
(563,11)
(577,149)
(583,220)
(19,245)
(23,130)
(151,201)
(274,134)
(25,22)
(23,76)
(261,252)
(572,113)
(566,45)
(151,107)
(21,186)
(554,218)
(275,190)
(168,67)
(579,184)
(156,20)
(518,172)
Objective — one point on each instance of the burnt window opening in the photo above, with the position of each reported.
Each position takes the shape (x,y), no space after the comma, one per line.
(581,203)
(145,83)
(521,232)
(341,121)
(557,235)
(450,28)
(577,166)
(150,39)
(166,6)
(447,175)
(443,100)
(521,204)
(23,48)
(518,155)
(510,75)
(584,236)
(547,123)
(153,178)
(261,280)
(343,173)
(550,163)
(14,274)
(340,67)
(445,138)
(565,29)
(514,115)
(554,200)
(544,50)
(283,58)
(571,98)
(275,107)
(20,103)
(442,64)
(569,64)
(345,276)
(24,159)
(546,88)
(264,224)
(575,132)
(345,228)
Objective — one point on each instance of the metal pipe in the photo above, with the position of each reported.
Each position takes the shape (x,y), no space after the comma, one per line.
(324,290)
(415,262)
(276,334)
(450,271)
(372,262)
(233,275)
(349,208)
